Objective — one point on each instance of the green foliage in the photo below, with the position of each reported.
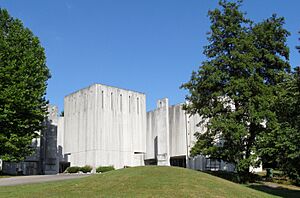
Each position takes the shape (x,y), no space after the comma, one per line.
(23,76)
(234,177)
(86,169)
(73,169)
(76,169)
(103,169)
(282,145)
(236,88)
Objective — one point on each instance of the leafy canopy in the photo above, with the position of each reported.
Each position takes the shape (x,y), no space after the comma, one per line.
(281,148)
(235,89)
(23,76)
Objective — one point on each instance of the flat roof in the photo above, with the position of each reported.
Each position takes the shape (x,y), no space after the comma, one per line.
(105,86)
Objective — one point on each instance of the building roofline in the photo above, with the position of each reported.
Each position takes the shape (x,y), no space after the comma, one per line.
(94,84)
(120,88)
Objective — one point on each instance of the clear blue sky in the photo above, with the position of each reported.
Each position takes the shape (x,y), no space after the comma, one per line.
(150,46)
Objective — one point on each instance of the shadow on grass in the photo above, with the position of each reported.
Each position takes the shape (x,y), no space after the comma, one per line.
(272,189)
(233,177)
(278,191)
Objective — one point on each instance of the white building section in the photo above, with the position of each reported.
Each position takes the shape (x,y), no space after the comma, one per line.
(103,126)
(171,135)
(108,126)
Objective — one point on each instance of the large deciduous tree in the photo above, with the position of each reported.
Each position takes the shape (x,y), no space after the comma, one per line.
(236,88)
(282,146)
(23,76)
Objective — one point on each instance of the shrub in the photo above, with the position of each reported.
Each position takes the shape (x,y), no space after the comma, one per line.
(73,169)
(86,169)
(103,169)
(235,177)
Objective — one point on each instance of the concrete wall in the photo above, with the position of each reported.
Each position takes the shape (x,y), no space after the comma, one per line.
(48,150)
(173,129)
(105,125)
(60,139)
(178,131)
(171,133)
(44,159)
(158,137)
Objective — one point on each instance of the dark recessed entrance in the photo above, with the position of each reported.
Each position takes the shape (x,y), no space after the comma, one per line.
(178,161)
(63,166)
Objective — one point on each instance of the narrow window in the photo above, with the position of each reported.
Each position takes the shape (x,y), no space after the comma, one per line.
(102,99)
(121,102)
(111,101)
(129,104)
(138,105)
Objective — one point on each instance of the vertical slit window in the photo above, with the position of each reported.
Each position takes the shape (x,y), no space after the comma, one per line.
(102,99)
(129,103)
(121,102)
(138,105)
(111,101)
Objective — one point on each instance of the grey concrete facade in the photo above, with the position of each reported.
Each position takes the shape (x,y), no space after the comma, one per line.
(44,158)
(109,126)
(170,137)
(158,137)
(103,126)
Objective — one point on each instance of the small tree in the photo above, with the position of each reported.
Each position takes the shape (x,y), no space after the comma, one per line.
(23,76)
(235,89)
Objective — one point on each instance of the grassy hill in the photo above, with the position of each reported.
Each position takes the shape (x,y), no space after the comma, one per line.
(151,181)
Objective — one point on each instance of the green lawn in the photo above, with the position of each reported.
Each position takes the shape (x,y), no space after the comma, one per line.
(151,181)
(4,176)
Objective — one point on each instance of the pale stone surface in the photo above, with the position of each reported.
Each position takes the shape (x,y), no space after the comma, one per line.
(158,138)
(60,139)
(178,131)
(174,131)
(104,126)
(169,133)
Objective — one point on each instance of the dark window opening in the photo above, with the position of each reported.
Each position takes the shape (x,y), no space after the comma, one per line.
(129,104)
(121,102)
(111,101)
(178,161)
(213,164)
(102,99)
(138,105)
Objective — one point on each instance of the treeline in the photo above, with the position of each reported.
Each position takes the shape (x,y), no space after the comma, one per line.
(248,92)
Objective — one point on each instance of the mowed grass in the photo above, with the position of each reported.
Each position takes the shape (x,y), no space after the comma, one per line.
(149,181)
(4,176)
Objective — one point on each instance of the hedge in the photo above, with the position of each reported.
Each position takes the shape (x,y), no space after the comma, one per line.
(103,169)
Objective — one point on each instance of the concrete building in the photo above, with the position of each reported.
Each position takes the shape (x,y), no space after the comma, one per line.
(170,136)
(104,125)
(44,159)
(109,126)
